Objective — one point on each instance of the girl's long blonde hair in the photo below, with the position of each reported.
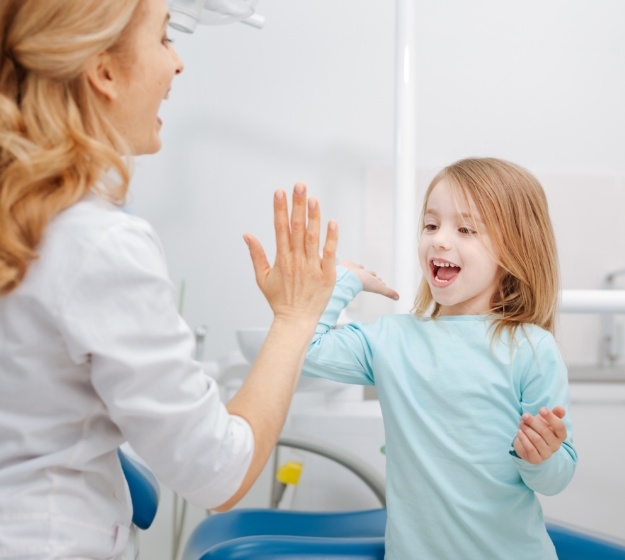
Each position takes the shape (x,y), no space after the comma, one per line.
(54,143)
(513,205)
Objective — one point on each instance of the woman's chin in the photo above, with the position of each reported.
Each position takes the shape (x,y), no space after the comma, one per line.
(148,148)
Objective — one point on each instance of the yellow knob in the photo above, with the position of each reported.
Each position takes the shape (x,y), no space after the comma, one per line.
(289,473)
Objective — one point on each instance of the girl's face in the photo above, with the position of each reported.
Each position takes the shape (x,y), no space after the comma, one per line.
(145,79)
(456,254)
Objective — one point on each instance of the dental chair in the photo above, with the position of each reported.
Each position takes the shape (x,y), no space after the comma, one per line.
(144,490)
(262,534)
(266,534)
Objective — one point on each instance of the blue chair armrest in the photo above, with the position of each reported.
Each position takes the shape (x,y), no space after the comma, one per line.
(271,547)
(577,545)
(144,490)
(268,525)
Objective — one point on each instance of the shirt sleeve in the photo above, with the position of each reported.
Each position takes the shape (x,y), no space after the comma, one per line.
(341,354)
(121,316)
(545,383)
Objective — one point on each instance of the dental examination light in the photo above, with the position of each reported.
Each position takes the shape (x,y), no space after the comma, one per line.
(186,14)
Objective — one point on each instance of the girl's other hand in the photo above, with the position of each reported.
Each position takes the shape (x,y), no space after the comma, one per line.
(370,280)
(540,436)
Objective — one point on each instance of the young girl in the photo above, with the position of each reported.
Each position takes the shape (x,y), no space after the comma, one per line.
(93,352)
(472,387)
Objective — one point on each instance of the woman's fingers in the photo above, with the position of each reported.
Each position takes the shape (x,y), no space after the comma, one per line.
(259,258)
(281,223)
(301,231)
(328,263)
(313,231)
(300,281)
(298,218)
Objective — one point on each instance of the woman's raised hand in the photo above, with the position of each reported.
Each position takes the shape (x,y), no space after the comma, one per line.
(297,287)
(299,284)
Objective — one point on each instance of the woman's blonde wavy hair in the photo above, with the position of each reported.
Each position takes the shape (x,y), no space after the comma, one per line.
(54,143)
(513,205)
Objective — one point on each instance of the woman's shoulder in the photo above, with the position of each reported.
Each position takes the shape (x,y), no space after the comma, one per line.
(91,235)
(93,216)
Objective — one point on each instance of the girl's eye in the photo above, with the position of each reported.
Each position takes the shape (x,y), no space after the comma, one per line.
(167,40)
(467,231)
(430,227)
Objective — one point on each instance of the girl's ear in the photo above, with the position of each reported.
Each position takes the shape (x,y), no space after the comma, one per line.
(101,74)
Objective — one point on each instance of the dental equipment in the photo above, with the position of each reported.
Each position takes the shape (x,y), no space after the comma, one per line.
(200,338)
(186,14)
(611,342)
(592,301)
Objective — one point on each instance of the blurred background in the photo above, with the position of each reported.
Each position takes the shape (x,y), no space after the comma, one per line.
(311,97)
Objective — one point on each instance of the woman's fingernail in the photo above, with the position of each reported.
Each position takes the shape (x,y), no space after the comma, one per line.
(279,195)
(300,188)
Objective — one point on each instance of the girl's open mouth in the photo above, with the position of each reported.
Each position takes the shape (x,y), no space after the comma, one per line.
(443,272)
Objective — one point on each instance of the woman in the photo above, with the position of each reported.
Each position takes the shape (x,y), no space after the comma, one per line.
(92,350)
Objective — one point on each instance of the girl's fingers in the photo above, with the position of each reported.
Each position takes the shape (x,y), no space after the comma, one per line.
(554,419)
(390,293)
(537,440)
(529,451)
(549,423)
(541,436)
(546,443)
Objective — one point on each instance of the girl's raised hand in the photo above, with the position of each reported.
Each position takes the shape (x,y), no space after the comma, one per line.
(370,280)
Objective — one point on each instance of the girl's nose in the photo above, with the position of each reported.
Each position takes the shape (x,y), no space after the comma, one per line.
(440,240)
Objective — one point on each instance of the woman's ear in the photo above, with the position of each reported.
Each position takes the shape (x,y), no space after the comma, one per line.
(101,74)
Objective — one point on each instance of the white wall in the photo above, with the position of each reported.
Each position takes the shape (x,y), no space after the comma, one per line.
(310,98)
(595,498)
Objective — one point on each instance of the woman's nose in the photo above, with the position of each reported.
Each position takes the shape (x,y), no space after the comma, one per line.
(179,65)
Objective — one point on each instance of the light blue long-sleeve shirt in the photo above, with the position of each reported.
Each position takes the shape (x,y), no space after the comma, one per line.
(452,398)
